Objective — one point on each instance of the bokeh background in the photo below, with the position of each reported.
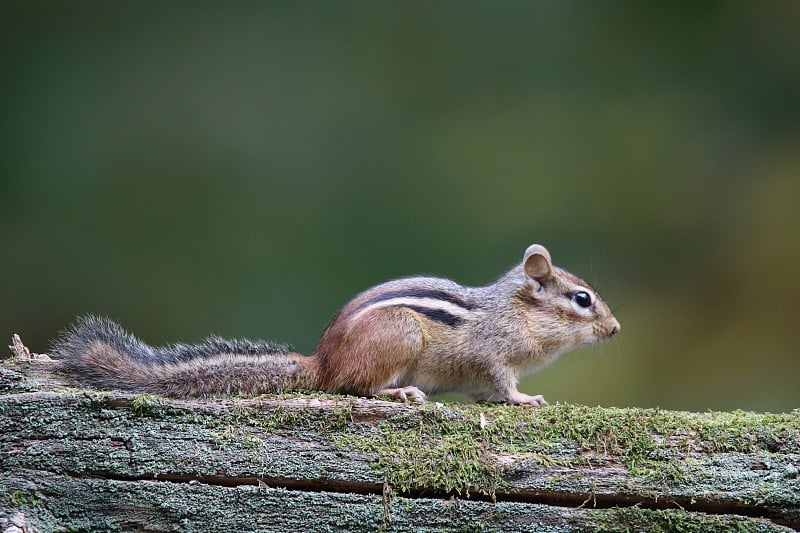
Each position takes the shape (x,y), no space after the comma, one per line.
(244,168)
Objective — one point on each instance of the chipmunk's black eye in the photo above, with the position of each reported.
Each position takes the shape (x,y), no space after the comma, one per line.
(582,298)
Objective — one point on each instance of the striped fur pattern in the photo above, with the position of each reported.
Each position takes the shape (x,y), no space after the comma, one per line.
(434,335)
(104,355)
(405,338)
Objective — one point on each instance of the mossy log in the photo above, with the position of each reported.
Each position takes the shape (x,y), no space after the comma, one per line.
(82,460)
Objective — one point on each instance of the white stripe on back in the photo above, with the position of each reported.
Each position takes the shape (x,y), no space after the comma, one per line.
(428,303)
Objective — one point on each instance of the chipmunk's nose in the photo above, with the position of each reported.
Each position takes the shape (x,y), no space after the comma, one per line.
(614,327)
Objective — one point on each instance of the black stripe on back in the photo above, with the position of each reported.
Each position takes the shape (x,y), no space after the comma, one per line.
(421,293)
(436,314)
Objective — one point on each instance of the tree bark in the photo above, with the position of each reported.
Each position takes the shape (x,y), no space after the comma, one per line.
(84,460)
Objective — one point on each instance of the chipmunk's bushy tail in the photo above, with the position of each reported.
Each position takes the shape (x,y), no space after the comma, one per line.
(99,353)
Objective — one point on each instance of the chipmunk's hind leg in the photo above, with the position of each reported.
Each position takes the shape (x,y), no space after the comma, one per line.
(376,355)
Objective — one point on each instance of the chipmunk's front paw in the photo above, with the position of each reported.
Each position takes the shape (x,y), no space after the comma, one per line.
(405,394)
(518,398)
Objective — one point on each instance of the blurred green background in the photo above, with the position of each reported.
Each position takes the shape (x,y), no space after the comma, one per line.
(245,168)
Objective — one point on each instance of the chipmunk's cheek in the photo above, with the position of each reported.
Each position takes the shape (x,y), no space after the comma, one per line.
(585,338)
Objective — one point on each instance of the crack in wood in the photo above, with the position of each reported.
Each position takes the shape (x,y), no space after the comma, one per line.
(550,498)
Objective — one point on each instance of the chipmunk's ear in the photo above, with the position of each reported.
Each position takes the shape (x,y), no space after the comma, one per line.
(537,263)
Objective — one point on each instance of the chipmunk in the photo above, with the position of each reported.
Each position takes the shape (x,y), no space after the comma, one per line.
(405,339)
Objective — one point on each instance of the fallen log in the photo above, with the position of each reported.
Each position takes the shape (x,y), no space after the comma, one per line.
(86,460)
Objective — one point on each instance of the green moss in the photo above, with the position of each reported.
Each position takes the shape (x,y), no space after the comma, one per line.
(22,497)
(450,448)
(98,400)
(146,404)
(646,441)
(431,447)
(628,519)
(322,421)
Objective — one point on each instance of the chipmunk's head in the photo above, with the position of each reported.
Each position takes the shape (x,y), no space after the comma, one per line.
(569,311)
